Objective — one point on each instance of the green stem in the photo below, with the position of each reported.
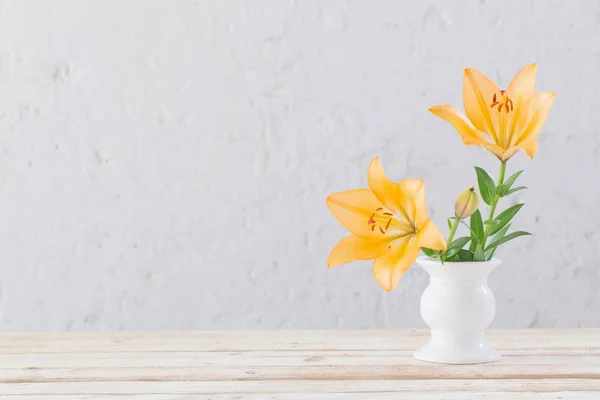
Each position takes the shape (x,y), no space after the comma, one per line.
(495,202)
(452,232)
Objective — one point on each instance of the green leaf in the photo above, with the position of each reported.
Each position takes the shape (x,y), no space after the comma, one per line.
(430,253)
(472,246)
(450,223)
(454,249)
(451,253)
(477,227)
(490,222)
(487,188)
(489,254)
(501,190)
(500,234)
(462,221)
(504,217)
(473,242)
(479,255)
(460,242)
(465,255)
(511,191)
(509,182)
(510,236)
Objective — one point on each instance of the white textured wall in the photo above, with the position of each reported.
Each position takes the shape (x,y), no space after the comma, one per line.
(164,164)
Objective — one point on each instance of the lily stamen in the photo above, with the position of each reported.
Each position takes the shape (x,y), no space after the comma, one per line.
(373,223)
(505,102)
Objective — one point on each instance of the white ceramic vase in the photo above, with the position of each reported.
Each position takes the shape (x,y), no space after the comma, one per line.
(458,306)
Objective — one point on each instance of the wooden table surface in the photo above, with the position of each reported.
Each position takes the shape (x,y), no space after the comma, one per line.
(537,364)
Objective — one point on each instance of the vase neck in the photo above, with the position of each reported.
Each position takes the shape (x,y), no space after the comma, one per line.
(468,273)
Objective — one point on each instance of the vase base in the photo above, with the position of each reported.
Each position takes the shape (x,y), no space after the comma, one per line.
(441,353)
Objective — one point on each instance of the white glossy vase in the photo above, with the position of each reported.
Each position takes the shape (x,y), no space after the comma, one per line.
(458,306)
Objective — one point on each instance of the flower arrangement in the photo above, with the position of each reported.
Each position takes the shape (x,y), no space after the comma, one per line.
(388,221)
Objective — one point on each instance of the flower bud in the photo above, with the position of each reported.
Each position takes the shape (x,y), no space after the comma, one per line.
(466,203)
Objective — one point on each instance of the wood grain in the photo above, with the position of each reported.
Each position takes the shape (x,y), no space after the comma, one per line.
(536,364)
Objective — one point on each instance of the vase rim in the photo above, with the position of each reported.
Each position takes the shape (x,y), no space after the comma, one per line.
(431,261)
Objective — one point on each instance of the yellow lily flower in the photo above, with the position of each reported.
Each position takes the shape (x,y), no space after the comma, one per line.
(388,222)
(511,119)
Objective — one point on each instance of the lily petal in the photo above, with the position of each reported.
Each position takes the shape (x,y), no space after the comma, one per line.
(385,190)
(430,236)
(353,209)
(412,197)
(464,128)
(389,268)
(478,94)
(508,153)
(523,84)
(539,108)
(352,248)
(470,136)
(529,147)
(520,89)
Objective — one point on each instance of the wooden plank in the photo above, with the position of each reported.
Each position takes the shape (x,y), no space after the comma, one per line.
(280,340)
(466,386)
(311,358)
(330,396)
(412,396)
(266,358)
(309,369)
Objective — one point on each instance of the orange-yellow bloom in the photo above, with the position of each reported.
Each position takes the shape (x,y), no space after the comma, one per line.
(388,222)
(500,121)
